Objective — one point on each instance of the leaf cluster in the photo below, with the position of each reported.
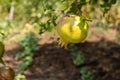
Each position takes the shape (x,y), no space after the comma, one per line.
(28,45)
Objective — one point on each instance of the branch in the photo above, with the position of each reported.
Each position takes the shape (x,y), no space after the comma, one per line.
(78,7)
(11,14)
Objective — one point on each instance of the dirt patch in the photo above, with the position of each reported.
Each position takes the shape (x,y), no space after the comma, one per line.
(52,62)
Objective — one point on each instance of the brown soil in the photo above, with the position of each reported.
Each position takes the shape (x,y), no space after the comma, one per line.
(52,62)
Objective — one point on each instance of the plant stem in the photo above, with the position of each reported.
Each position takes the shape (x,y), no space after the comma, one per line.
(78,7)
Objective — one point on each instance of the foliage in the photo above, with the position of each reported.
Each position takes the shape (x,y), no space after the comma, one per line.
(28,46)
(4,29)
(20,77)
(45,14)
(78,57)
(86,74)
(78,60)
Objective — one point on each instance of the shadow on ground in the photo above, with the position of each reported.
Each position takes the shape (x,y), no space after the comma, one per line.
(54,63)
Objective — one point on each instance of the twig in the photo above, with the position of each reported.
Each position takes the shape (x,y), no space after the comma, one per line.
(78,7)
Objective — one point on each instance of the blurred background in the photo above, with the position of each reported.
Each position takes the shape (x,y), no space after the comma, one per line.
(31,49)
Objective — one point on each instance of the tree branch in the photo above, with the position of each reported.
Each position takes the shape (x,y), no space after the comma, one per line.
(78,7)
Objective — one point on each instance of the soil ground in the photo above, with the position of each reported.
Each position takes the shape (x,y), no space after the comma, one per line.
(52,62)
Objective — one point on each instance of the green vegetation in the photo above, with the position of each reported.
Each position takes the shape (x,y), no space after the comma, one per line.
(20,77)
(79,60)
(28,44)
(86,74)
(78,57)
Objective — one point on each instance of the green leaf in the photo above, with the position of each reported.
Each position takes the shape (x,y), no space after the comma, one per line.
(82,2)
(86,74)
(93,2)
(113,1)
(20,77)
(78,58)
(23,66)
(73,4)
(1,61)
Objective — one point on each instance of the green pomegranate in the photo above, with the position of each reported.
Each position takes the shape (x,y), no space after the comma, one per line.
(72,29)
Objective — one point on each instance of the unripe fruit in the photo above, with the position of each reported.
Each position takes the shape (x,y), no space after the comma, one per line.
(72,29)
(6,73)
